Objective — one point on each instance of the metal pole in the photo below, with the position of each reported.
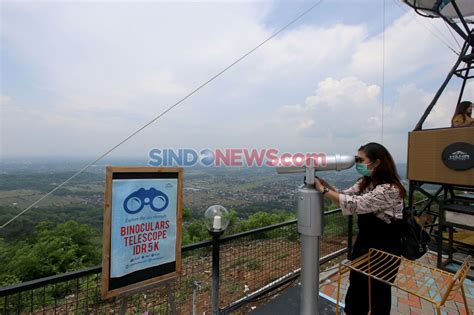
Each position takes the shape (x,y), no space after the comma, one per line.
(196,287)
(309,275)
(441,89)
(436,97)
(215,273)
(460,16)
(465,78)
(194,302)
(310,225)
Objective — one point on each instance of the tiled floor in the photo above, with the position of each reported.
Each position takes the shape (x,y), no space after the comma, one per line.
(404,303)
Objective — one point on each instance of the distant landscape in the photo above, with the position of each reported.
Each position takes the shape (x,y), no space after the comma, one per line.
(255,196)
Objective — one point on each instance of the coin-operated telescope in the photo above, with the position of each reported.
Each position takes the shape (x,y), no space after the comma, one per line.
(310,224)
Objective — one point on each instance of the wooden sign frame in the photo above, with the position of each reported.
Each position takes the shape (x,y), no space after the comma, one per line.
(147,277)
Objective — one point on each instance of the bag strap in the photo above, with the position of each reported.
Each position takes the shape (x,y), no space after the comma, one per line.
(420,236)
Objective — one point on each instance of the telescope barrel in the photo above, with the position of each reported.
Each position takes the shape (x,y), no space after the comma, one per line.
(335,162)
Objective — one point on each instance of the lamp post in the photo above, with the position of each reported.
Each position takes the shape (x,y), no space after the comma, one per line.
(216,219)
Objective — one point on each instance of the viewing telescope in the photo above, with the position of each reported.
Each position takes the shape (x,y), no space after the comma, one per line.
(335,162)
(310,222)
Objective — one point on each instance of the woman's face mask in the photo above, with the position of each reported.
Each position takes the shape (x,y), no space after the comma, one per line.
(363,170)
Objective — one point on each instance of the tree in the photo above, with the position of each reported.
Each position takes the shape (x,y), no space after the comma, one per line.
(262,219)
(54,249)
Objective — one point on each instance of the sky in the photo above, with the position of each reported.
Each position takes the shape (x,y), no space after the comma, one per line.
(77,77)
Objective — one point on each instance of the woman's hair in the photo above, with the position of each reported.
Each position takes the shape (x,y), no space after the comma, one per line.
(385,172)
(461,108)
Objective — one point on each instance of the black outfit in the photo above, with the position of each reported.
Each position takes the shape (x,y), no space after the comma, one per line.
(373,233)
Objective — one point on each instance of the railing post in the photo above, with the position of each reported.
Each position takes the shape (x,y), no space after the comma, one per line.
(196,287)
(15,296)
(18,308)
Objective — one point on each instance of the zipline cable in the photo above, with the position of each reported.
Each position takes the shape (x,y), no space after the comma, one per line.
(451,32)
(444,41)
(163,113)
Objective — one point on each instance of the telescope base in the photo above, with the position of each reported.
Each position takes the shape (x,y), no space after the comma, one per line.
(289,303)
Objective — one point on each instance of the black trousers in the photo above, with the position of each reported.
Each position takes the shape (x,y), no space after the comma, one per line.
(373,233)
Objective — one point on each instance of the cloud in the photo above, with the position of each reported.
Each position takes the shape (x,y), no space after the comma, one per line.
(100,70)
(310,48)
(4,100)
(349,111)
(410,45)
(333,102)
(343,113)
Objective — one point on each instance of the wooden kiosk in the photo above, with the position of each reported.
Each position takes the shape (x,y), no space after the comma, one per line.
(445,157)
(431,151)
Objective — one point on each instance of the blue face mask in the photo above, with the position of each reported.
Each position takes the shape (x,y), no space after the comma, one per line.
(363,170)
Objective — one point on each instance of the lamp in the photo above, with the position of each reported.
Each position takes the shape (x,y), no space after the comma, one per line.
(216,219)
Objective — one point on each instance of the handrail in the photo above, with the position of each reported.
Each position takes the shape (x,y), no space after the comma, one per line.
(262,229)
(33,284)
(37,283)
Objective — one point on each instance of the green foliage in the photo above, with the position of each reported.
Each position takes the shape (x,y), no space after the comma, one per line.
(417,196)
(329,205)
(250,264)
(45,181)
(196,231)
(187,214)
(254,265)
(262,219)
(336,224)
(5,277)
(51,250)
(282,256)
(291,232)
(25,226)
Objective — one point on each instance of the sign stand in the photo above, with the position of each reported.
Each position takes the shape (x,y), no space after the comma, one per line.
(124,305)
(171,299)
(142,229)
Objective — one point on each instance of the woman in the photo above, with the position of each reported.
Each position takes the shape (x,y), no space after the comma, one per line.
(377,199)
(462,115)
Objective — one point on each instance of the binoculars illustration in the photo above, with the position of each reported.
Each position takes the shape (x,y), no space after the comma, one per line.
(135,202)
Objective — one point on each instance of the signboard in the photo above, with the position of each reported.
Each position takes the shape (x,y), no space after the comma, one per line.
(142,228)
(458,156)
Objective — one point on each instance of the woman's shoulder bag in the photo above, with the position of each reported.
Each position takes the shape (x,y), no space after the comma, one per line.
(414,238)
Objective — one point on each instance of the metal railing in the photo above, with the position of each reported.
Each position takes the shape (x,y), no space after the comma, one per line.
(263,258)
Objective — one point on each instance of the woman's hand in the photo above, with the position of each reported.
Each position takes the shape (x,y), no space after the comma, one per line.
(318,185)
(331,194)
(326,184)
